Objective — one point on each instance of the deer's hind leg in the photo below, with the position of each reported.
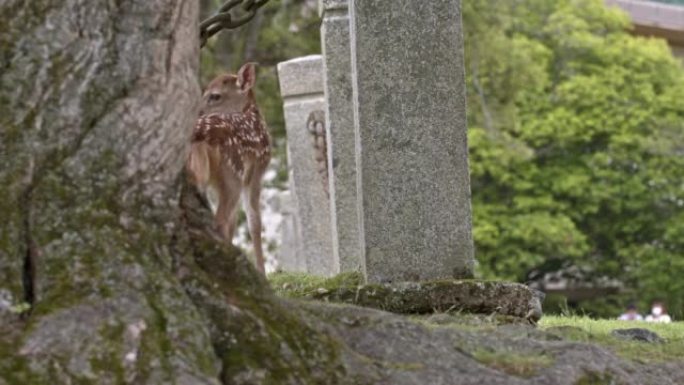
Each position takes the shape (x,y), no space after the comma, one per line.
(229,197)
(251,199)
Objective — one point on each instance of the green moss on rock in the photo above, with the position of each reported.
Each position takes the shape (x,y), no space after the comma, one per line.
(513,363)
(257,338)
(595,378)
(472,296)
(301,285)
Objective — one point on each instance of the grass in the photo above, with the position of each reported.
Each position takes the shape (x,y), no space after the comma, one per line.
(297,285)
(513,363)
(584,329)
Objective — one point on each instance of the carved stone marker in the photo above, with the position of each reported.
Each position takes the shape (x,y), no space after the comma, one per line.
(301,86)
(340,132)
(412,153)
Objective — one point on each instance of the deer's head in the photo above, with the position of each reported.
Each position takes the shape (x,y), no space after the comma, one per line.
(230,93)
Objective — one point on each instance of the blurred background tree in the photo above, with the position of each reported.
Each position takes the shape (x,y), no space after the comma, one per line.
(576,132)
(577,137)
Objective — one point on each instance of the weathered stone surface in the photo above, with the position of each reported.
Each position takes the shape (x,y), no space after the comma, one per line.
(409,353)
(637,334)
(302,76)
(288,257)
(301,85)
(340,132)
(473,319)
(412,153)
(485,297)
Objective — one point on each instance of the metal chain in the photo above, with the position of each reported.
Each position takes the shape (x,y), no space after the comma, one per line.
(224,20)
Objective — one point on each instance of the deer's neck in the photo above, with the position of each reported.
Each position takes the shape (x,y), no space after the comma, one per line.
(250,108)
(251,105)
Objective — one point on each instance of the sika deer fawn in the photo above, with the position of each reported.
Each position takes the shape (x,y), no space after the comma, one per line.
(230,150)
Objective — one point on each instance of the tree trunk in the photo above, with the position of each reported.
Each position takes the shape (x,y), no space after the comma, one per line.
(109,269)
(97,99)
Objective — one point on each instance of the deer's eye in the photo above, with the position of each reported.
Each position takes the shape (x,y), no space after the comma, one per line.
(214,97)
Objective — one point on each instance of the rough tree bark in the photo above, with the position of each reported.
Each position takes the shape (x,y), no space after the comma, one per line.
(97,98)
(119,271)
(109,272)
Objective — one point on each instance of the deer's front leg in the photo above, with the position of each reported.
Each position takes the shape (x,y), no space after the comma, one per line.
(251,197)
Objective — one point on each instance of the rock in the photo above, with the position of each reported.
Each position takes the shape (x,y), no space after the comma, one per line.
(484,297)
(637,334)
(472,319)
(409,353)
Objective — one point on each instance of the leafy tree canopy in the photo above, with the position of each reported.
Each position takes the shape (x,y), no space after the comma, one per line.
(577,137)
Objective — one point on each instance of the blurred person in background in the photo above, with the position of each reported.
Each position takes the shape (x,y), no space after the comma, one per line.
(658,313)
(631,314)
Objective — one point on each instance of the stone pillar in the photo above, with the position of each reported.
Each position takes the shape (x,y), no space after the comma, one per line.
(412,152)
(340,133)
(288,257)
(301,86)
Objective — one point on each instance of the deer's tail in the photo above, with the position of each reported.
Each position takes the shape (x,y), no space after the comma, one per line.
(198,163)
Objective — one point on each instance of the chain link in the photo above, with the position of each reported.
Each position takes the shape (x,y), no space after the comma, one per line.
(223,19)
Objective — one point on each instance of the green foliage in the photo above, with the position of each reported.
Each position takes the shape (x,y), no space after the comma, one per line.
(576,132)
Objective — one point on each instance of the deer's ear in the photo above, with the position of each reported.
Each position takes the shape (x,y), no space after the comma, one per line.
(246,77)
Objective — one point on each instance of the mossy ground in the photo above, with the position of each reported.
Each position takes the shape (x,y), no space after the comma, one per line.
(513,363)
(574,328)
(297,285)
(427,297)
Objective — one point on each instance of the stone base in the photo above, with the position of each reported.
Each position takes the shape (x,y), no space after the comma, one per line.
(471,296)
